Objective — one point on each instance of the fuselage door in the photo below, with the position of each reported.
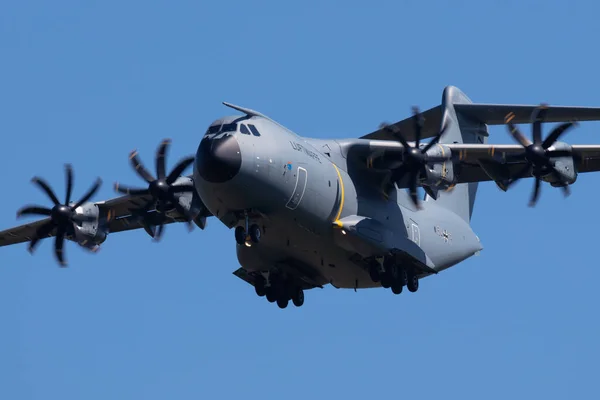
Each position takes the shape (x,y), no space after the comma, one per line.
(296,198)
(415,233)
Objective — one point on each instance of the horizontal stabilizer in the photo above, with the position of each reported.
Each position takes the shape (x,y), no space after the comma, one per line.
(490,114)
(494,114)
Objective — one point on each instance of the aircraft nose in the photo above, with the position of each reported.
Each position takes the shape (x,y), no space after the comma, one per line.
(218,160)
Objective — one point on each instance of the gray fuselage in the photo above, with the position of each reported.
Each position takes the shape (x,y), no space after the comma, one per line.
(297,188)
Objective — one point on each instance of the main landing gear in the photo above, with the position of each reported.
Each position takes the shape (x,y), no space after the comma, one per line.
(394,276)
(280,291)
(248,233)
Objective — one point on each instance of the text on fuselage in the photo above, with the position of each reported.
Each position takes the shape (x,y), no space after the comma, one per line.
(299,147)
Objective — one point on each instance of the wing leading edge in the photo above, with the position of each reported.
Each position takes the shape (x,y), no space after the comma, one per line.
(117,211)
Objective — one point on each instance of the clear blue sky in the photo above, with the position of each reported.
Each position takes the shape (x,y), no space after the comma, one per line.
(86,82)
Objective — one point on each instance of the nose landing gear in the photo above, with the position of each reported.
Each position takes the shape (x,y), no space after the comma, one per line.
(248,233)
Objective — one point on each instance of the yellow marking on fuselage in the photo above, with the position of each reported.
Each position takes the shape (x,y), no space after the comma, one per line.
(339,213)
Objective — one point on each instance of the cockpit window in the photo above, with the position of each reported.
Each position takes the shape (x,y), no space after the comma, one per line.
(244,129)
(232,127)
(229,127)
(254,130)
(213,129)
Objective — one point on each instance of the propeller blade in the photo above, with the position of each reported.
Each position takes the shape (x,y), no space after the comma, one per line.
(159,231)
(536,192)
(182,189)
(566,190)
(397,134)
(398,173)
(438,159)
(58,245)
(559,153)
(519,175)
(160,158)
(160,228)
(83,218)
(44,186)
(69,177)
(435,140)
(556,133)
(538,116)
(418,119)
(89,193)
(412,185)
(139,167)
(187,214)
(148,229)
(517,135)
(41,233)
(129,190)
(178,169)
(34,210)
(201,222)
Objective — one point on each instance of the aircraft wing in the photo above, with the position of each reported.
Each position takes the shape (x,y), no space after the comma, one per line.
(474,158)
(117,210)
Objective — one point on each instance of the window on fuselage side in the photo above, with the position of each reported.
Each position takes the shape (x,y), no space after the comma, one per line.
(254,130)
(244,129)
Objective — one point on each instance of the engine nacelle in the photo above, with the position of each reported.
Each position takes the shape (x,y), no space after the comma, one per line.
(92,232)
(564,165)
(439,175)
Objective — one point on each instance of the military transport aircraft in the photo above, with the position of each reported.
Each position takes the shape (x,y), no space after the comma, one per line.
(310,212)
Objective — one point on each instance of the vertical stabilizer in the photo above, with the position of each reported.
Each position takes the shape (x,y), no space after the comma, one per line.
(461,199)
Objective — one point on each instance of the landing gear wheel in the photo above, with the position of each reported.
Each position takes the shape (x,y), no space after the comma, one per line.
(413,282)
(282,302)
(240,235)
(254,232)
(403,277)
(271,295)
(374,273)
(260,290)
(298,297)
(393,271)
(386,282)
(396,288)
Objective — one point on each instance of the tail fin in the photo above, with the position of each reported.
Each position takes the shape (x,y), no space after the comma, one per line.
(461,129)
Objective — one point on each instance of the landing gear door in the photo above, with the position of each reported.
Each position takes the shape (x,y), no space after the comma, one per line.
(415,234)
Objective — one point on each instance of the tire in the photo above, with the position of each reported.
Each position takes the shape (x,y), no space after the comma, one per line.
(298,297)
(260,290)
(385,281)
(282,302)
(374,273)
(254,232)
(271,295)
(413,283)
(240,235)
(396,288)
(394,272)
